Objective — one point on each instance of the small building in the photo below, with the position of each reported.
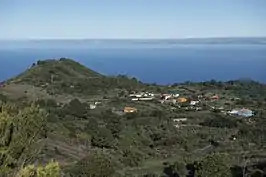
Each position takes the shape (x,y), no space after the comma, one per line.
(215,97)
(92,106)
(180,119)
(181,100)
(130,110)
(242,112)
(198,108)
(166,96)
(193,103)
(136,95)
(97,103)
(134,99)
(146,99)
(176,95)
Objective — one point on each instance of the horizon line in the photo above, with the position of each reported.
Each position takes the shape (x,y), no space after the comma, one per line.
(182,38)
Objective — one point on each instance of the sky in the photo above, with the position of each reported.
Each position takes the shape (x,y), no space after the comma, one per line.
(134,19)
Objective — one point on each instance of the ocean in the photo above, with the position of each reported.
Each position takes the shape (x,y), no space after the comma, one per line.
(162,64)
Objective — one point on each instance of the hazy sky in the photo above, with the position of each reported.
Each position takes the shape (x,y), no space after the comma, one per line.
(28,19)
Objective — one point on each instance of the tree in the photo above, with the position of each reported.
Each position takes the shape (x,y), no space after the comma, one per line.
(20,132)
(76,108)
(103,138)
(132,157)
(52,169)
(177,169)
(115,124)
(216,164)
(96,164)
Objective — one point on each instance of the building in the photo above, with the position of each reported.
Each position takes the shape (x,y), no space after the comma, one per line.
(92,106)
(134,99)
(193,103)
(146,99)
(242,112)
(180,119)
(136,95)
(130,110)
(215,97)
(181,100)
(166,96)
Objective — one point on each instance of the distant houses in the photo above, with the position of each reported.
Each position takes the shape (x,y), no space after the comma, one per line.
(143,96)
(188,103)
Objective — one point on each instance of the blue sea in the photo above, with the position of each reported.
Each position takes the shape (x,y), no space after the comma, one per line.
(162,64)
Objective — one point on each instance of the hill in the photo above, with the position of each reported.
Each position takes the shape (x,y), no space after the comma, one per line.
(70,77)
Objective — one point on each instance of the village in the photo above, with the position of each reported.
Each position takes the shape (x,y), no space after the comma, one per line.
(175,101)
(188,103)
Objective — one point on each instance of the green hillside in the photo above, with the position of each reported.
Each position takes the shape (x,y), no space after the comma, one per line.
(61,114)
(68,76)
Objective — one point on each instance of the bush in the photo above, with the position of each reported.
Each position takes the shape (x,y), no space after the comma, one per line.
(221,122)
(132,157)
(103,138)
(96,164)
(50,170)
(76,108)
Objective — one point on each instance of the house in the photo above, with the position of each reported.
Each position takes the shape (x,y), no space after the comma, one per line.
(242,112)
(136,95)
(146,98)
(92,106)
(215,97)
(166,96)
(97,103)
(180,119)
(130,110)
(169,101)
(198,108)
(176,95)
(181,100)
(134,99)
(193,103)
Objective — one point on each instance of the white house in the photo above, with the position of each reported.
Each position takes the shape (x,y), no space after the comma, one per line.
(92,106)
(135,99)
(146,99)
(193,103)
(242,112)
(180,119)
(176,95)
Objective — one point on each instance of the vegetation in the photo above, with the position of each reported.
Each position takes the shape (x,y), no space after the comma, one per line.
(50,170)
(51,129)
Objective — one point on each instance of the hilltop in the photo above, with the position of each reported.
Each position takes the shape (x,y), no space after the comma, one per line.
(66,76)
(83,119)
